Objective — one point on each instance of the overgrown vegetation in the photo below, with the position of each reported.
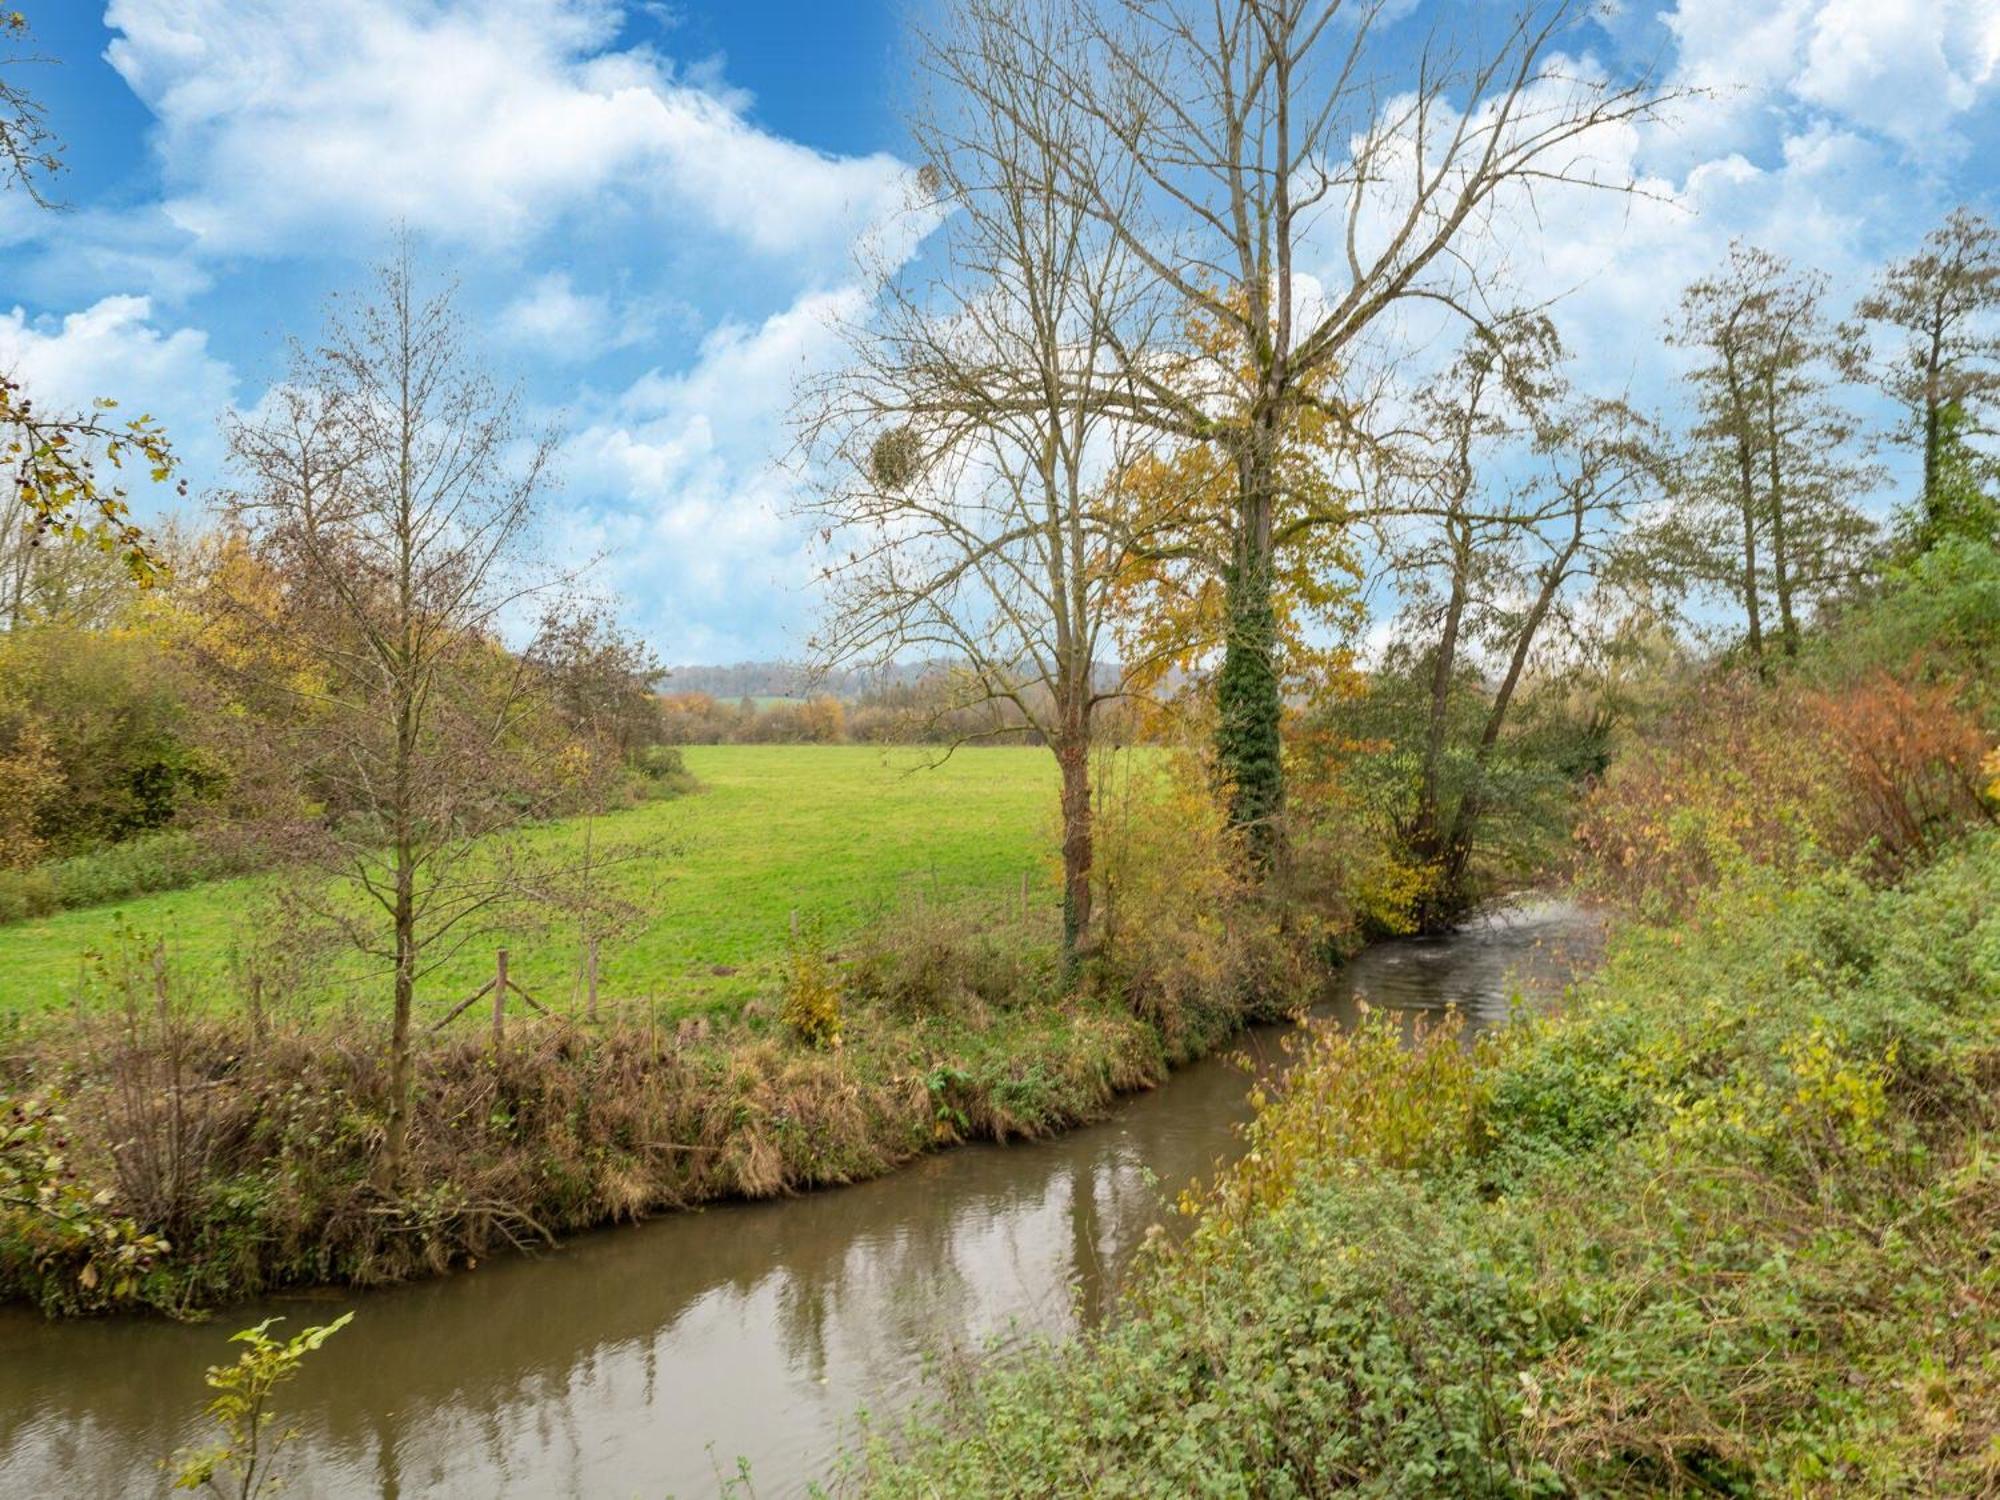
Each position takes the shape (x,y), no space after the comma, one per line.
(1727,1223)
(1728,1226)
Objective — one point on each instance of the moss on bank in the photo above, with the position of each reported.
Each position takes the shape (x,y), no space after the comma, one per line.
(1731,1226)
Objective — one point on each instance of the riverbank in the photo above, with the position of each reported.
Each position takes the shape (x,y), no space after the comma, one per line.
(1730,1225)
(667,1351)
(165,1157)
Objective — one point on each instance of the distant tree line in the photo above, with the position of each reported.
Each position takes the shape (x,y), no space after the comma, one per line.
(930,709)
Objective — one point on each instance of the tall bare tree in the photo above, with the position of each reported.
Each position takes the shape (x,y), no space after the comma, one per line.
(971,443)
(1944,305)
(389,491)
(1300,173)
(1776,469)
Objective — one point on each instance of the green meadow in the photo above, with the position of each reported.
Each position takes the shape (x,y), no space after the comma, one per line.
(837,833)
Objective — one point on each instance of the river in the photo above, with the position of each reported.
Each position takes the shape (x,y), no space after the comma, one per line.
(645,1361)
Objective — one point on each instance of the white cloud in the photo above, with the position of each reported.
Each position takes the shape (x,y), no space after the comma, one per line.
(693,488)
(115,349)
(284,122)
(1906,69)
(1831,139)
(561,323)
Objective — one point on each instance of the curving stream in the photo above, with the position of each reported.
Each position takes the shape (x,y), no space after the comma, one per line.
(644,1361)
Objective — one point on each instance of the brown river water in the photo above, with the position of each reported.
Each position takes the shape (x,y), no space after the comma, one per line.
(647,1361)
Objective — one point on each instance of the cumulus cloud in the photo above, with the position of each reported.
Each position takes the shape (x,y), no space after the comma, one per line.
(692,485)
(511,131)
(283,122)
(1821,132)
(556,320)
(1909,70)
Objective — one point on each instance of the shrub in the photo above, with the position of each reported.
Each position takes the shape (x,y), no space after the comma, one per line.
(62,1242)
(27,893)
(811,1006)
(120,717)
(1189,941)
(661,772)
(924,961)
(1786,777)
(168,861)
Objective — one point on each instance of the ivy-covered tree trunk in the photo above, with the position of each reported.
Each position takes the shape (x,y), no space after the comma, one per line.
(1249,750)
(1249,747)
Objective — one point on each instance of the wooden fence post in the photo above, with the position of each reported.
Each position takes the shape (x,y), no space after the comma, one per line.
(160,979)
(1024,897)
(500,999)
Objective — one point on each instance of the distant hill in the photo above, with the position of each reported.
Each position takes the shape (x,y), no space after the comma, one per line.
(784,679)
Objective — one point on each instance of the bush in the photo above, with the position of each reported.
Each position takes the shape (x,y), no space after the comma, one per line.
(122,720)
(27,893)
(1936,618)
(62,1244)
(811,1005)
(1788,777)
(1190,941)
(1726,1227)
(168,861)
(923,961)
(661,772)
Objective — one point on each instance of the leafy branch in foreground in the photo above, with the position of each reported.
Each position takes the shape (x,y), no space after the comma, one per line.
(54,455)
(58,489)
(244,1463)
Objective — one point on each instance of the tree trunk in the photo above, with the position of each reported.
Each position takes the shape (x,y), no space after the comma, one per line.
(1249,705)
(1751,608)
(1932,434)
(1472,806)
(1073,755)
(1424,839)
(1781,571)
(396,1137)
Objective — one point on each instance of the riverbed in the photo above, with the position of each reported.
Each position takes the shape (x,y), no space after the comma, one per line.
(649,1361)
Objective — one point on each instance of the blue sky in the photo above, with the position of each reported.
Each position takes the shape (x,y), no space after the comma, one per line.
(653,208)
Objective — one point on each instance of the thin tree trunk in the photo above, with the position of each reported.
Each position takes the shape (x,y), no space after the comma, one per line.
(396,1137)
(1933,421)
(1751,608)
(1424,840)
(1472,807)
(1073,755)
(1746,496)
(1781,572)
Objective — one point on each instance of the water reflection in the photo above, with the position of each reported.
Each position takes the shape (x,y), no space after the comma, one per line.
(643,1361)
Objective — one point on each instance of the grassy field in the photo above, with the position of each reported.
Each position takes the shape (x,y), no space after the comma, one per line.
(837,832)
